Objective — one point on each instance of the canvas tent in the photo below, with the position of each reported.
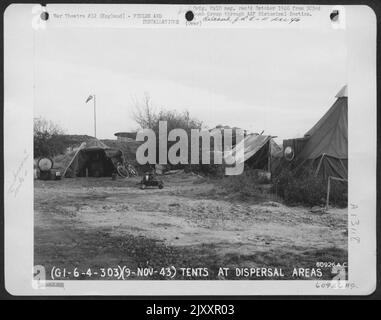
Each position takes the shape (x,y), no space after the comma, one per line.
(93,159)
(257,151)
(325,145)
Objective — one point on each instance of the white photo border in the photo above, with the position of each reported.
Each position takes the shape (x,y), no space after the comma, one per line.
(361,28)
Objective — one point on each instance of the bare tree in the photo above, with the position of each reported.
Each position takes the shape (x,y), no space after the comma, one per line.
(43,126)
(147,116)
(145,113)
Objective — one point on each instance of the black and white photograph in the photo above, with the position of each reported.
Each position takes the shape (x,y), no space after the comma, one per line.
(189,143)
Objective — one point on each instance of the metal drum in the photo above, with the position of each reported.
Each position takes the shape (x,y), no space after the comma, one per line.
(45,164)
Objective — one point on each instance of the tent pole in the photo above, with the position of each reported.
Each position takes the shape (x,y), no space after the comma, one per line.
(329,187)
(318,168)
(95,118)
(71,161)
(328,191)
(342,164)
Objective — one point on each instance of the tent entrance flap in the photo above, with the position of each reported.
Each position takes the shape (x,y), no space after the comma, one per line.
(260,160)
(95,163)
(254,151)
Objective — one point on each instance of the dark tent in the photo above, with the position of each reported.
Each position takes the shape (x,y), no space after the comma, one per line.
(93,159)
(325,145)
(256,151)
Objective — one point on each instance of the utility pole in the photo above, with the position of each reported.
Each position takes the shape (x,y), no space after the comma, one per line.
(92,97)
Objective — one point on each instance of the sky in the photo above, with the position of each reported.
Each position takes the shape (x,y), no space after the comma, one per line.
(279,81)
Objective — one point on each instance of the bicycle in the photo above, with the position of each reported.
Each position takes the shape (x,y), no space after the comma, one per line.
(125,170)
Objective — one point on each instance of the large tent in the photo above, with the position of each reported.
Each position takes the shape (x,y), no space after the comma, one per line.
(325,145)
(93,159)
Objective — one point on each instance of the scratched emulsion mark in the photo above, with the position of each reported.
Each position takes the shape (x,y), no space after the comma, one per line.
(19,175)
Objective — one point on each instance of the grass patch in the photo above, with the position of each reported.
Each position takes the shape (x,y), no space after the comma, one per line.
(250,185)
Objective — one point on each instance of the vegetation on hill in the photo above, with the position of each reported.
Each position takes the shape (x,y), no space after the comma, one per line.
(50,139)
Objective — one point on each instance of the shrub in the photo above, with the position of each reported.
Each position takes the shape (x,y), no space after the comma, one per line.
(47,138)
(211,170)
(305,188)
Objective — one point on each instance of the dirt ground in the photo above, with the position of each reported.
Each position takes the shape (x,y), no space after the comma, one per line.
(95,223)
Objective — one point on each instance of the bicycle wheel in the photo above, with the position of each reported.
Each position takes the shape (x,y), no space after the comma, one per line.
(122,171)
